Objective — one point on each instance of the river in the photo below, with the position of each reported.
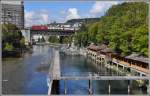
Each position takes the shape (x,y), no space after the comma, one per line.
(26,75)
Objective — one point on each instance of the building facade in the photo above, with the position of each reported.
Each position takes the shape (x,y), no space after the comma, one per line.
(13,12)
(26,34)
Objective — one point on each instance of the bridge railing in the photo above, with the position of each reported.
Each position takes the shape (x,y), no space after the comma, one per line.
(96,76)
(82,74)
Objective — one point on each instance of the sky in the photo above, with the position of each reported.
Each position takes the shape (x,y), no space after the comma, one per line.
(44,12)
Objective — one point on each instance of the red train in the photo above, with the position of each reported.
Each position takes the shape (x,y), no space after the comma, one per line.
(39,27)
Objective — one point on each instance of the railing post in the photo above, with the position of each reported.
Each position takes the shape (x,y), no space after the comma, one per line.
(128,86)
(117,69)
(148,88)
(109,87)
(90,87)
(90,84)
(65,85)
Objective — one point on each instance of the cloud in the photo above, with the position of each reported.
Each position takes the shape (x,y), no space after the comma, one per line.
(72,13)
(36,17)
(101,7)
(62,12)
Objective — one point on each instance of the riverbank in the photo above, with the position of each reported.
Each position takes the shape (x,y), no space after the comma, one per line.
(73,50)
(18,52)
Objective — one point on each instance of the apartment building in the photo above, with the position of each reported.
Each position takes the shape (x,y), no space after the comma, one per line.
(13,12)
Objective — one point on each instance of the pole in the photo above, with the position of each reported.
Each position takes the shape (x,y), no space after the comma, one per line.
(117,69)
(65,84)
(90,87)
(109,87)
(128,86)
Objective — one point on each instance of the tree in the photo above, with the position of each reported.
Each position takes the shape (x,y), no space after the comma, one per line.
(124,28)
(8,47)
(53,39)
(12,37)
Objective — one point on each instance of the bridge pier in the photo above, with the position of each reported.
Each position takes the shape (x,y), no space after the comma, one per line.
(46,38)
(26,34)
(61,39)
(55,87)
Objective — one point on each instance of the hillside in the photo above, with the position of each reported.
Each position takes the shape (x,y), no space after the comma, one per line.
(124,28)
(85,20)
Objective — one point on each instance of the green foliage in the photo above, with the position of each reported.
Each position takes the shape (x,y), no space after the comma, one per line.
(61,39)
(53,39)
(93,32)
(11,37)
(8,47)
(124,28)
(22,42)
(81,37)
(67,40)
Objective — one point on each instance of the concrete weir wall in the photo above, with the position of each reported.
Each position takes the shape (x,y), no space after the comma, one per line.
(56,65)
(55,73)
(55,87)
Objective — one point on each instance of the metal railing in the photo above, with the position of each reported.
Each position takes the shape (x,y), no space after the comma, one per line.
(92,74)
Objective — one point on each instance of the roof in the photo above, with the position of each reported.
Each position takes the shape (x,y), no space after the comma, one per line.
(107,50)
(137,57)
(103,46)
(93,47)
(129,60)
(98,48)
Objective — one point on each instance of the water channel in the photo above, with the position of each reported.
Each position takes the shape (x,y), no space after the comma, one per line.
(28,75)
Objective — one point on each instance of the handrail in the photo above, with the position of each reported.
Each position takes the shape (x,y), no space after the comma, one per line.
(84,74)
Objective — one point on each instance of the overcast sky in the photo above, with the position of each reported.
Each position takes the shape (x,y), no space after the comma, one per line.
(44,12)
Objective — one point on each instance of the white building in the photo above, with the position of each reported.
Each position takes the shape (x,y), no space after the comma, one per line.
(60,26)
(26,34)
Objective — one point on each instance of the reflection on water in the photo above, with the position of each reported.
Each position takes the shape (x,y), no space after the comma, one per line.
(79,65)
(22,74)
(28,75)
(42,67)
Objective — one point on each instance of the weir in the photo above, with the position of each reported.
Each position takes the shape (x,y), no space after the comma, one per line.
(54,71)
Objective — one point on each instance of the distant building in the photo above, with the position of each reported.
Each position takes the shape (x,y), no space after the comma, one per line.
(64,26)
(13,12)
